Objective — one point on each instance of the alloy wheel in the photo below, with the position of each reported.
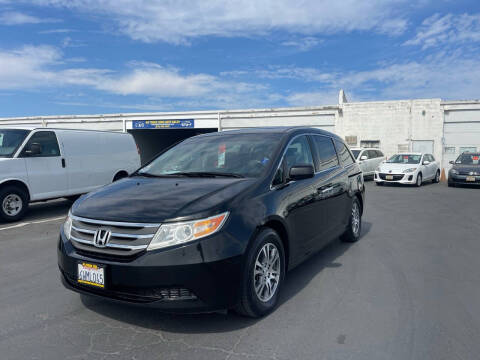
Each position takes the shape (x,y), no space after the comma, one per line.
(266,275)
(355,218)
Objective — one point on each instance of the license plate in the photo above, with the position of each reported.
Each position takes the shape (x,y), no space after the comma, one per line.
(389,177)
(91,274)
(470,178)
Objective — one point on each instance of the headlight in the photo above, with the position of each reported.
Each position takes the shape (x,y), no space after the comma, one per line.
(454,172)
(67,225)
(409,170)
(183,232)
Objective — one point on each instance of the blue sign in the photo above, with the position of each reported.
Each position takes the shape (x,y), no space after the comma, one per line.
(163,124)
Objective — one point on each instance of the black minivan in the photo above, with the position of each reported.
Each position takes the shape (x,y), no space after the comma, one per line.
(214,222)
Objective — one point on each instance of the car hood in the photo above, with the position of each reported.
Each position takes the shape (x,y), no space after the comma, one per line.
(396,168)
(153,200)
(467,168)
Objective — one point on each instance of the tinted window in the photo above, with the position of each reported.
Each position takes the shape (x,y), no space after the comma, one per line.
(10,140)
(469,159)
(325,151)
(356,153)
(298,153)
(380,154)
(241,154)
(372,154)
(47,142)
(343,153)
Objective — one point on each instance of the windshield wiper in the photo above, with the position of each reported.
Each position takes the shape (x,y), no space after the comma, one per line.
(207,174)
(149,175)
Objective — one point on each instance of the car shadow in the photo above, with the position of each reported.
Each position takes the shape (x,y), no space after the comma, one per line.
(296,281)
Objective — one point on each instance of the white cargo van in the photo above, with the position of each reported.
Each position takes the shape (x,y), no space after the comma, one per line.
(42,163)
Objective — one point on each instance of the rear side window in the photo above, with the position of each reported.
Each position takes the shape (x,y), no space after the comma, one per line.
(47,142)
(298,153)
(343,153)
(372,154)
(325,151)
(379,153)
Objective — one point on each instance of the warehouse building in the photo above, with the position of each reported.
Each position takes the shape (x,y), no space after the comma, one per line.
(443,128)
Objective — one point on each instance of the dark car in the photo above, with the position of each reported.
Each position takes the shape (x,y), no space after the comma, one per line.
(214,222)
(465,170)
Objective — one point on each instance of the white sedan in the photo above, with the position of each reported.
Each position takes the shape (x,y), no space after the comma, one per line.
(408,168)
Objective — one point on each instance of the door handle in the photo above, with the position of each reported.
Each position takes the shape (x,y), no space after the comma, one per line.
(63,163)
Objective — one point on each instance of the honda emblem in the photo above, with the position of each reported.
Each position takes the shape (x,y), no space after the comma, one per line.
(101,237)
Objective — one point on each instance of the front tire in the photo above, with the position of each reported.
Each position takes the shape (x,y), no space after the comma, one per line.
(263,275)
(436,180)
(352,234)
(13,203)
(419,180)
(379,183)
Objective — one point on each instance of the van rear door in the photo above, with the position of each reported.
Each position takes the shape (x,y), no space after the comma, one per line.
(43,160)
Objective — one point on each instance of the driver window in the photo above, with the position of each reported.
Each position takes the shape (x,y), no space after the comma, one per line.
(45,142)
(298,152)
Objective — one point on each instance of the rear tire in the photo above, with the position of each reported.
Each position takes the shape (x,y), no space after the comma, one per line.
(419,180)
(263,275)
(352,234)
(13,203)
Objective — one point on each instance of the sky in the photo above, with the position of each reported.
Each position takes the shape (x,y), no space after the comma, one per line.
(118,56)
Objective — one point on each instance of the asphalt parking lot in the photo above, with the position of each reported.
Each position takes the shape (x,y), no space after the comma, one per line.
(409,289)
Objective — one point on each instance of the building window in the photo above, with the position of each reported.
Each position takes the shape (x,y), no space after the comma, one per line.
(467,149)
(449,149)
(351,140)
(370,143)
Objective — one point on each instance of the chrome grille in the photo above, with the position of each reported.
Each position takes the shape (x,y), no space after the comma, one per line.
(126,239)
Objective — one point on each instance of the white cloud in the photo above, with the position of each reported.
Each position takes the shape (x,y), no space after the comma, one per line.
(19,18)
(303,44)
(448,29)
(34,67)
(180,21)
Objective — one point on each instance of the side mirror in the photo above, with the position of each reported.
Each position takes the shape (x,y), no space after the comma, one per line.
(426,162)
(299,172)
(33,149)
(451,162)
(363,157)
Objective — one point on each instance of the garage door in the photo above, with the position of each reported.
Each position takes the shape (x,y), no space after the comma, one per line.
(461,133)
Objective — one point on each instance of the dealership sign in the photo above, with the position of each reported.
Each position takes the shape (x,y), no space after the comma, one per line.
(163,124)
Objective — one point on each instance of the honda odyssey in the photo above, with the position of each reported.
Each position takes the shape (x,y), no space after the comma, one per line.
(214,222)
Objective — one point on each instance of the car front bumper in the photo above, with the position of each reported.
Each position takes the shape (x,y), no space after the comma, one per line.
(178,279)
(407,178)
(462,179)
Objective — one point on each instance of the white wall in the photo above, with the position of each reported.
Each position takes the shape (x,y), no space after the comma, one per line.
(394,123)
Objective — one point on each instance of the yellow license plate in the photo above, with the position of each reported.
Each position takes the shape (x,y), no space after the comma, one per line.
(389,177)
(470,178)
(91,274)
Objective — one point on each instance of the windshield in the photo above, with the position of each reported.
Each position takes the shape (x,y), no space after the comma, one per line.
(356,153)
(10,140)
(468,159)
(241,155)
(404,159)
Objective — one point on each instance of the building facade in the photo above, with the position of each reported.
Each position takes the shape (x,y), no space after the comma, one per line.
(443,128)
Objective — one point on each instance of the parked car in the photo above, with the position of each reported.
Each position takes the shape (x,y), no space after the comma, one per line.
(214,222)
(408,168)
(465,170)
(38,164)
(368,159)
